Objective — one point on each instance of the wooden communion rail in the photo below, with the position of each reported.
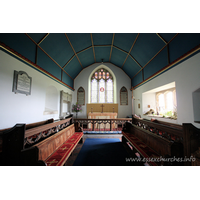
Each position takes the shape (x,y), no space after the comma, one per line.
(96,124)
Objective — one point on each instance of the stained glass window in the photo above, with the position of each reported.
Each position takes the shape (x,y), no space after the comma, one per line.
(102,91)
(109,91)
(102,87)
(94,91)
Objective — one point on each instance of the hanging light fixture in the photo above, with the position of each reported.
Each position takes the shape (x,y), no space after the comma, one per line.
(101,60)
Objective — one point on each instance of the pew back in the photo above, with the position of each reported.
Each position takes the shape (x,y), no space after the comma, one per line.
(12,142)
(49,145)
(186,134)
(160,145)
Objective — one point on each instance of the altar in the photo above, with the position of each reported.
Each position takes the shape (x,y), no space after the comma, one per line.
(104,115)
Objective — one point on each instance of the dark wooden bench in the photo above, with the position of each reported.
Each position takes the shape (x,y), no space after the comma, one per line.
(165,139)
(54,150)
(153,148)
(17,139)
(34,135)
(11,145)
(32,125)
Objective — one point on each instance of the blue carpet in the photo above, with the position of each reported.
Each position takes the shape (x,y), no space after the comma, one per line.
(102,152)
(102,132)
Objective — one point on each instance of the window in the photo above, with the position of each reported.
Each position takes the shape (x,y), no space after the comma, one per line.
(160,101)
(102,87)
(166,103)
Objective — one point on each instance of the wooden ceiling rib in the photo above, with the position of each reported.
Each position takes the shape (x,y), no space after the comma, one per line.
(68,61)
(130,52)
(73,50)
(43,39)
(161,38)
(47,55)
(93,47)
(158,52)
(111,46)
(166,45)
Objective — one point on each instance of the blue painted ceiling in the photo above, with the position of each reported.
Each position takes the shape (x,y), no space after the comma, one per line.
(65,55)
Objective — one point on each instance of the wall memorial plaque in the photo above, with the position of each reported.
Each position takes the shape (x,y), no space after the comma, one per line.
(22,82)
(81,96)
(123,96)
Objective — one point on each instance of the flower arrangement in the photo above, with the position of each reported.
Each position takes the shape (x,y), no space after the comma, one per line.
(76,108)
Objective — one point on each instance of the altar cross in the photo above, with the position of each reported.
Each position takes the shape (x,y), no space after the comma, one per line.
(102,108)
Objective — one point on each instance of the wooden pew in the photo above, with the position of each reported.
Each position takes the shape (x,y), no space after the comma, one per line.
(28,135)
(150,145)
(54,150)
(11,144)
(32,125)
(187,136)
(34,135)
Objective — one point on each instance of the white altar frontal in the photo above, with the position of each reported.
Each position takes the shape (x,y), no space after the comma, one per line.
(104,115)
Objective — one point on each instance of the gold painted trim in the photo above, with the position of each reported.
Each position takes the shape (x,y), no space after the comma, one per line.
(47,54)
(36,67)
(73,49)
(43,39)
(93,47)
(167,67)
(68,61)
(159,52)
(112,46)
(131,50)
(84,49)
(161,38)
(120,49)
(103,45)
(135,61)
(154,56)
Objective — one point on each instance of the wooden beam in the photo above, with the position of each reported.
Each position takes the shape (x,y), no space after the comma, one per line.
(112,46)
(73,50)
(161,38)
(43,39)
(21,57)
(47,54)
(93,47)
(159,52)
(130,52)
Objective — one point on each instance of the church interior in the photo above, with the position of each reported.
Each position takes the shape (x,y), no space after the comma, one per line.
(65,92)
(99,99)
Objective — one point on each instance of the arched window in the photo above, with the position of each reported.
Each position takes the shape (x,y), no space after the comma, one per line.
(166,102)
(101,86)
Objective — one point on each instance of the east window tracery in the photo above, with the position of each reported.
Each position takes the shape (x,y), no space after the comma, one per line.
(102,87)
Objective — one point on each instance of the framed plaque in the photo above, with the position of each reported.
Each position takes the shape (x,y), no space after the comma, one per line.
(123,96)
(81,96)
(22,82)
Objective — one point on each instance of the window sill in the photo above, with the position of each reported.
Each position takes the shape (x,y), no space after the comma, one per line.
(50,112)
(160,116)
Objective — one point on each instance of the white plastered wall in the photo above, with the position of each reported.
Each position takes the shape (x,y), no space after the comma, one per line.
(19,108)
(122,79)
(187,79)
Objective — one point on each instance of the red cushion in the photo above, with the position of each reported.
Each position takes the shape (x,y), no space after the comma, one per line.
(75,137)
(142,148)
(58,157)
